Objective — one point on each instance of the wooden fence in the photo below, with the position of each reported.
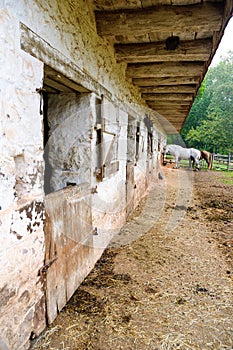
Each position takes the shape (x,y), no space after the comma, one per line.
(221,161)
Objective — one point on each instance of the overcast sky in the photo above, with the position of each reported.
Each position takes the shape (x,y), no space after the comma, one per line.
(226,43)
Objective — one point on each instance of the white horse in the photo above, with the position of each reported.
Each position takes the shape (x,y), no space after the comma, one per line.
(192,154)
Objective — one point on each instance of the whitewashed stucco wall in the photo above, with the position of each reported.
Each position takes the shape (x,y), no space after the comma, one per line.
(21,189)
(69,28)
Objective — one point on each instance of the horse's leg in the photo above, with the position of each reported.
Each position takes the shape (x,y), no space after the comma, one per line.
(176,162)
(210,161)
(197,163)
(191,162)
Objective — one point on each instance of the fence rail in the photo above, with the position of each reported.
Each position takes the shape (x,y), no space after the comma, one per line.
(223,160)
(220,161)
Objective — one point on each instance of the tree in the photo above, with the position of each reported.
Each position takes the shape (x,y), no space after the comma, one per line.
(210,122)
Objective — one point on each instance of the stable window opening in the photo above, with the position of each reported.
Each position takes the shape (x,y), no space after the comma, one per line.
(62,121)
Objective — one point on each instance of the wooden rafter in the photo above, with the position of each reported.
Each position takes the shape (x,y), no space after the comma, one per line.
(166,81)
(158,70)
(168,89)
(159,19)
(167,76)
(192,50)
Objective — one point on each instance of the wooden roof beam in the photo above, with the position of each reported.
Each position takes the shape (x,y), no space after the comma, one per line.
(168,89)
(173,111)
(193,50)
(176,80)
(193,18)
(175,114)
(168,97)
(169,104)
(176,120)
(170,108)
(156,70)
(168,114)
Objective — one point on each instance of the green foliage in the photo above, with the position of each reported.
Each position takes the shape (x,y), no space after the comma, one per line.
(209,124)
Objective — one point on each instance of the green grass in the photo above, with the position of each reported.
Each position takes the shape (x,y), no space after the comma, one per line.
(221,167)
(227,177)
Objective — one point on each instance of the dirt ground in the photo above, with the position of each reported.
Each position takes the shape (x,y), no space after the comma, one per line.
(165,282)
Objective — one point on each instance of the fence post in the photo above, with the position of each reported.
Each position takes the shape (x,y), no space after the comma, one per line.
(228,161)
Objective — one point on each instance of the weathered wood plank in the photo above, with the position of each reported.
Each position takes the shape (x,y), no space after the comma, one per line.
(179,115)
(169,89)
(160,18)
(148,3)
(181,112)
(192,50)
(169,103)
(175,121)
(173,125)
(156,70)
(37,47)
(171,109)
(176,80)
(129,39)
(70,242)
(59,81)
(175,112)
(57,85)
(116,5)
(168,97)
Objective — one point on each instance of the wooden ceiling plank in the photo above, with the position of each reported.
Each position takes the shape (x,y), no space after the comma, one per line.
(160,18)
(174,108)
(166,81)
(175,121)
(50,89)
(156,70)
(192,50)
(57,85)
(170,103)
(175,114)
(59,79)
(171,113)
(168,97)
(169,88)
(169,108)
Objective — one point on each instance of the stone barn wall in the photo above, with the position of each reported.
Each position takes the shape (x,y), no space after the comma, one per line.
(60,35)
